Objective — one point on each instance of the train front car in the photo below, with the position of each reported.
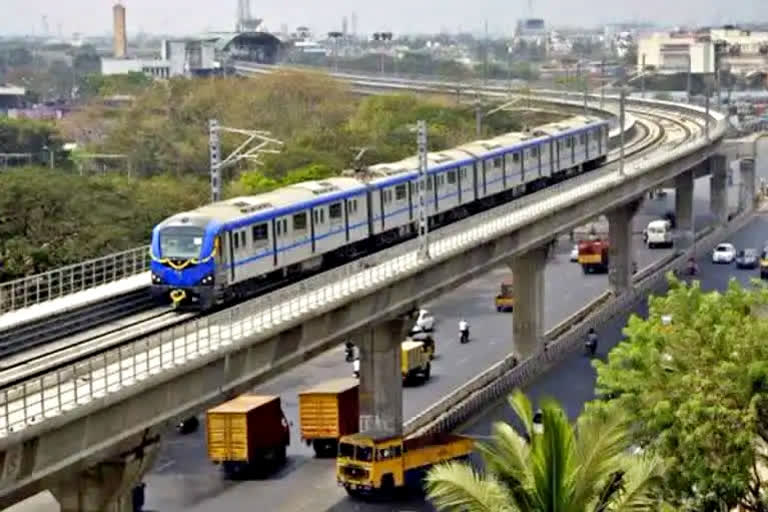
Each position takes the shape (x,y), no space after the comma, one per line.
(184,261)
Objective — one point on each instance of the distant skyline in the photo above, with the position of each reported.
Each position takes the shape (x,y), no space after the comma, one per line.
(94,17)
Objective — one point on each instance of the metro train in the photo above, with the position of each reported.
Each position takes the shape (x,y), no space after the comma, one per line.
(231,249)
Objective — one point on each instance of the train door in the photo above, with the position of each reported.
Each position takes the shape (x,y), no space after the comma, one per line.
(222,260)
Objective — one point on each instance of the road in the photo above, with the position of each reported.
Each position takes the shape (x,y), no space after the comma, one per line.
(183,478)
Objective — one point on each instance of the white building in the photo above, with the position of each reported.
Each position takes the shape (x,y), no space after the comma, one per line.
(741,51)
(676,53)
(151,67)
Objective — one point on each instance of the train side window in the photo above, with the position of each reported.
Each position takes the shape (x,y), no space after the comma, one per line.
(497,163)
(300,222)
(285,226)
(260,234)
(429,182)
(322,216)
(242,239)
(236,240)
(400,192)
(516,157)
(534,151)
(352,206)
(278,224)
(582,139)
(463,173)
(451,177)
(334,211)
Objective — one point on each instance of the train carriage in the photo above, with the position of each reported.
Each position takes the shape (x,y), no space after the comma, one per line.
(235,248)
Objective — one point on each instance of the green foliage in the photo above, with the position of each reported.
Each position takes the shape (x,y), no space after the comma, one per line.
(27,136)
(557,469)
(49,219)
(94,84)
(697,390)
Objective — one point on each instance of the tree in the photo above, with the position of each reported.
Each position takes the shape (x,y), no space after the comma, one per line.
(557,469)
(694,375)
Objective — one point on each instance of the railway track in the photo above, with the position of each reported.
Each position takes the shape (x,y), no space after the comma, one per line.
(43,346)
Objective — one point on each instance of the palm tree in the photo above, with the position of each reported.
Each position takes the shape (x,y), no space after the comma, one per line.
(555,467)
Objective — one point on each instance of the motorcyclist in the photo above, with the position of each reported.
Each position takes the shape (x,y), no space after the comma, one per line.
(349,352)
(693,268)
(463,331)
(591,342)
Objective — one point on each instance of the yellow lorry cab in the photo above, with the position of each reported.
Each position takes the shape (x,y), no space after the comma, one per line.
(373,463)
(414,361)
(764,263)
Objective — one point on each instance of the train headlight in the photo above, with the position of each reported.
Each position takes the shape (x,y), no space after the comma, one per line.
(156,279)
(207,279)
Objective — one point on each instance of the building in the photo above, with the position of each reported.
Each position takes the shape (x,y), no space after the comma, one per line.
(532,32)
(204,56)
(119,34)
(11,97)
(190,57)
(742,52)
(676,53)
(154,68)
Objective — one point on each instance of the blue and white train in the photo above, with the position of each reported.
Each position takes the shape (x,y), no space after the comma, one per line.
(234,248)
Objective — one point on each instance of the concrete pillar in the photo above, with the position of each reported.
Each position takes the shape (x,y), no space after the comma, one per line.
(718,188)
(747,175)
(684,209)
(381,380)
(620,254)
(108,486)
(528,321)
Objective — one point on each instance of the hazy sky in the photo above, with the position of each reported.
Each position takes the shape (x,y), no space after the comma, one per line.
(193,16)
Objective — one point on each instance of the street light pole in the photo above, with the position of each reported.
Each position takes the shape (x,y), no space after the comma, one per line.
(706,106)
(602,83)
(621,129)
(423,225)
(214,144)
(478,118)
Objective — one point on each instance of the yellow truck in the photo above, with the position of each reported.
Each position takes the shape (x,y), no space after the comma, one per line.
(247,435)
(327,412)
(505,300)
(371,464)
(414,361)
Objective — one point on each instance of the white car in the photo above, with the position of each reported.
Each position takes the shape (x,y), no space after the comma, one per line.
(724,253)
(575,253)
(424,322)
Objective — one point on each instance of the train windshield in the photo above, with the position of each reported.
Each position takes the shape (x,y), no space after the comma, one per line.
(181,243)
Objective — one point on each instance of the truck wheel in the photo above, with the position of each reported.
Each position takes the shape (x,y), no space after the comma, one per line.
(427,371)
(387,483)
(325,448)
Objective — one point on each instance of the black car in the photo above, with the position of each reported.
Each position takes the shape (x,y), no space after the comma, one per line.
(747,258)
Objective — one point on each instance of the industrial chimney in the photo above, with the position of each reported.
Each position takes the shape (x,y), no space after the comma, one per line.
(120,42)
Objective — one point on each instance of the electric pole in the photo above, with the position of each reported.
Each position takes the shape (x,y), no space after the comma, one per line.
(421,127)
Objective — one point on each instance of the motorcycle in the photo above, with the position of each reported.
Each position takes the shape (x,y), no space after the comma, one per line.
(188,425)
(464,337)
(356,368)
(590,346)
(349,353)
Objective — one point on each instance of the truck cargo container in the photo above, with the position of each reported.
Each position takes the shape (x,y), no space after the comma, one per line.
(593,256)
(248,435)
(377,464)
(414,361)
(327,412)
